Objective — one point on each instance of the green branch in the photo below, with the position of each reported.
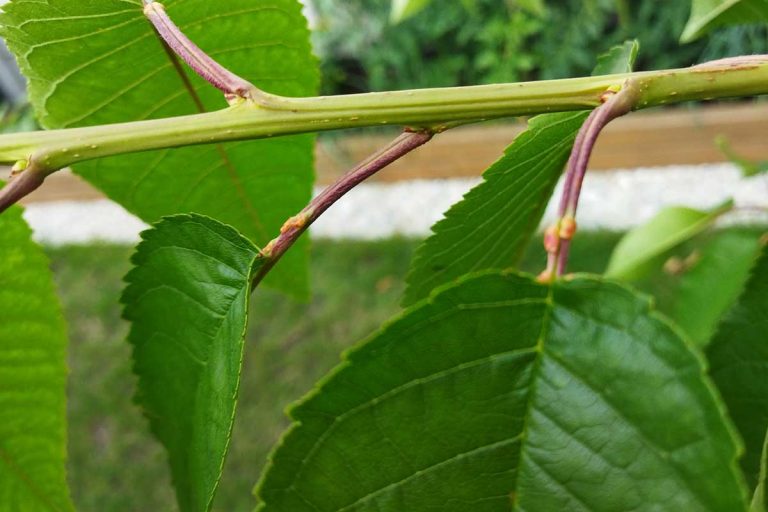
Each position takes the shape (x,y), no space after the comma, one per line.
(430,109)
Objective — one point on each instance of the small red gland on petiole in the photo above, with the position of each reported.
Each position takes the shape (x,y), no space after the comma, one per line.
(552,246)
(552,239)
(567,228)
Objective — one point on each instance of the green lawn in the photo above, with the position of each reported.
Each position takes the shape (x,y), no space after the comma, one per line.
(114,464)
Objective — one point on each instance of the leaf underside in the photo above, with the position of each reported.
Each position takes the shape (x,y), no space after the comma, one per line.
(501,393)
(738,357)
(491,227)
(99,62)
(187,300)
(32,376)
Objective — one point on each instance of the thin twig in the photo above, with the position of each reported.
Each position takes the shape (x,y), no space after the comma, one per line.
(295,226)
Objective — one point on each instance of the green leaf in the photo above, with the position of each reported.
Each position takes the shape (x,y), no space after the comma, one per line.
(535,7)
(501,393)
(748,167)
(403,9)
(618,59)
(714,282)
(187,300)
(709,14)
(492,225)
(99,62)
(33,374)
(738,358)
(759,498)
(640,249)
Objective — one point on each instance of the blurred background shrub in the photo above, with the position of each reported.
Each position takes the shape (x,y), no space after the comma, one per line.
(467,42)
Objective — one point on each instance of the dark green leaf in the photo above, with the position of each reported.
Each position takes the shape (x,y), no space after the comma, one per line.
(99,62)
(709,14)
(492,225)
(187,300)
(500,393)
(640,249)
(759,498)
(714,282)
(738,357)
(33,375)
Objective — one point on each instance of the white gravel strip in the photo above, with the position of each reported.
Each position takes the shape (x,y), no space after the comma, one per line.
(610,200)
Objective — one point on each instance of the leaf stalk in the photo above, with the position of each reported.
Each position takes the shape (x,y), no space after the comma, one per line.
(298,224)
(233,86)
(558,237)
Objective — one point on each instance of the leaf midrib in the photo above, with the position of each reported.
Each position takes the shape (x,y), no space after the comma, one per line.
(532,389)
(648,443)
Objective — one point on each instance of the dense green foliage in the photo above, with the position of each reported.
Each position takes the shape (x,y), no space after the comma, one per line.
(449,44)
(493,391)
(32,376)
